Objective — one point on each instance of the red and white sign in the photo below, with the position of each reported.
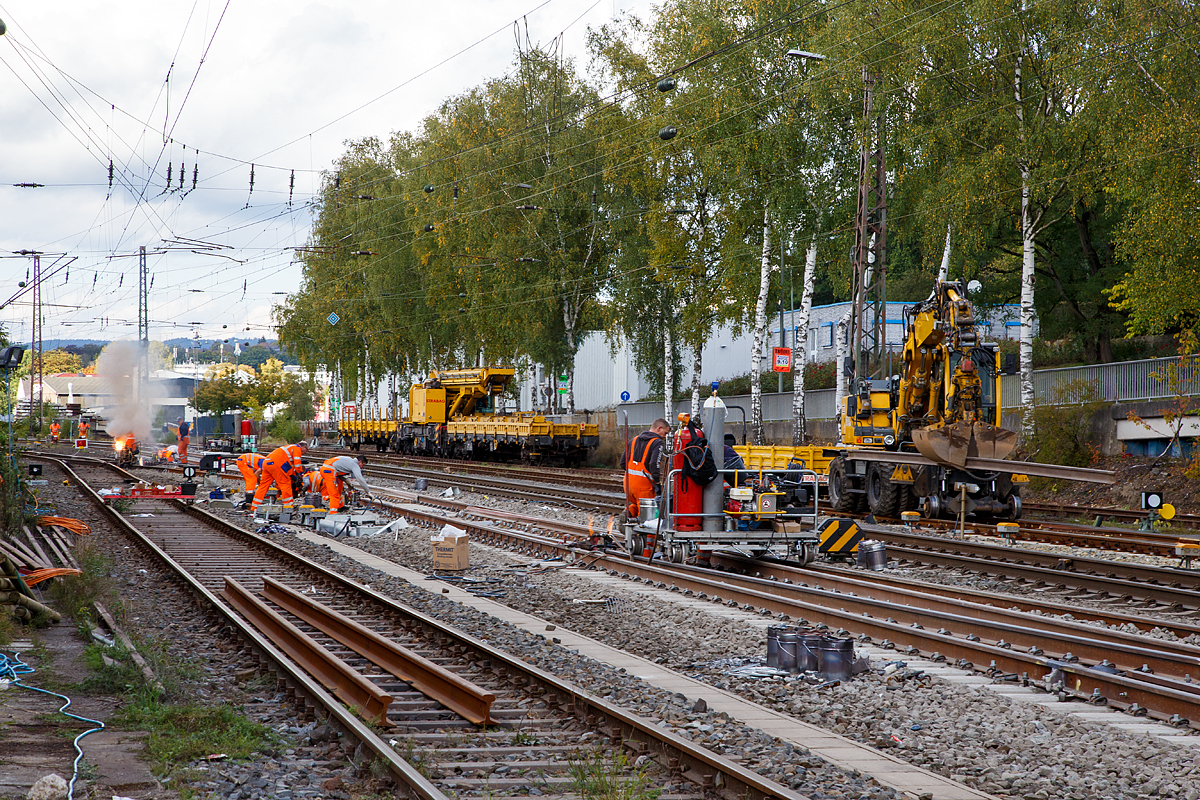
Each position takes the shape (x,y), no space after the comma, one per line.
(81,444)
(782,362)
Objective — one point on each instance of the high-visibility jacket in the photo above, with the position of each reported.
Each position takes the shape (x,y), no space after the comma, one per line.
(641,466)
(83,430)
(54,429)
(250,464)
(277,470)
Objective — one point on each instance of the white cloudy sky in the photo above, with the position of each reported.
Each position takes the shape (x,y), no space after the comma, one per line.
(282,85)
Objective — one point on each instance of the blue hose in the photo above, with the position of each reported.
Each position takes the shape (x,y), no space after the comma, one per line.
(11,668)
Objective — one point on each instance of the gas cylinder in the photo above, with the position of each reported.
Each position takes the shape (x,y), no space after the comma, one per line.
(687,496)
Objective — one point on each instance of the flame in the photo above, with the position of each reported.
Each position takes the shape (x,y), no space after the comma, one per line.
(611,520)
(591,530)
(121,442)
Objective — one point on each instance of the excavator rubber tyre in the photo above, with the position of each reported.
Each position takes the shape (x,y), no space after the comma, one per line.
(907,500)
(882,494)
(841,499)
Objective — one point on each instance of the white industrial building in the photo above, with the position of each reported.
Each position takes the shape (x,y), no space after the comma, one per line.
(603,374)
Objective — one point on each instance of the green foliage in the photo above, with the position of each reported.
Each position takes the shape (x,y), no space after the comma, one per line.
(1062,429)
(605,775)
(73,595)
(285,428)
(180,733)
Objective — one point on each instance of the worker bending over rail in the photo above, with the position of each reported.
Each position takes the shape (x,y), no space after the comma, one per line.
(250,465)
(277,470)
(333,475)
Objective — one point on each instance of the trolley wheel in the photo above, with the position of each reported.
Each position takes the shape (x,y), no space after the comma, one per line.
(840,497)
(678,553)
(882,494)
(637,543)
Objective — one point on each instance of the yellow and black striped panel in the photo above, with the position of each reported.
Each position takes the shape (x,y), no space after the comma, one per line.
(839,537)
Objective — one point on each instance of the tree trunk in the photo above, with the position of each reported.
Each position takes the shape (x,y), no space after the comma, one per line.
(944,269)
(668,374)
(760,331)
(800,351)
(697,363)
(839,373)
(570,320)
(1028,263)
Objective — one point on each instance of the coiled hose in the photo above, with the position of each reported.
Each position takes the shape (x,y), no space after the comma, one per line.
(11,670)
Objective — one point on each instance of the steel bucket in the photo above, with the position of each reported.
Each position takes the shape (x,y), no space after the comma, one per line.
(806,652)
(872,555)
(647,510)
(835,659)
(788,644)
(773,644)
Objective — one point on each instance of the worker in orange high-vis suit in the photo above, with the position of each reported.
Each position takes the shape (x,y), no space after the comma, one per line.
(277,470)
(334,473)
(84,428)
(55,429)
(250,465)
(184,437)
(641,466)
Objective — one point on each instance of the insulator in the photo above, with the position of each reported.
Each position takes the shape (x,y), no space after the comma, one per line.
(337,180)
(180,174)
(666,85)
(667,133)
(170,173)
(195,174)
(110,173)
(429,188)
(429,228)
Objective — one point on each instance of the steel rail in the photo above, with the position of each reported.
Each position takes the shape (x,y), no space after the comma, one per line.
(1181,520)
(412,783)
(842,579)
(990,465)
(461,696)
(1142,581)
(1164,699)
(1130,651)
(710,770)
(346,683)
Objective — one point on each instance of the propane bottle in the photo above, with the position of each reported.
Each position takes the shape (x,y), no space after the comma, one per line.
(687,496)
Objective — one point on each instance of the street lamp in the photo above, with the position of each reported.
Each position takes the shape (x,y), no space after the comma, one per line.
(806,55)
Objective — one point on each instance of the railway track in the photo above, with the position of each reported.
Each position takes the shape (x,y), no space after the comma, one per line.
(1102,515)
(608,479)
(1087,662)
(471,719)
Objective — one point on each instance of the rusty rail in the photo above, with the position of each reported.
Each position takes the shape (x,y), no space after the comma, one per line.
(459,695)
(346,683)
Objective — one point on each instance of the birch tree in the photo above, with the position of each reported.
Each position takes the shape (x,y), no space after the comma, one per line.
(800,352)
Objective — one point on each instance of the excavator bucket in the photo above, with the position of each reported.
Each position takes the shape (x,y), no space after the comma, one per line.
(954,444)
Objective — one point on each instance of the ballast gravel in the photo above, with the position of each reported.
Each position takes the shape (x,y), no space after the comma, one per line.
(971,735)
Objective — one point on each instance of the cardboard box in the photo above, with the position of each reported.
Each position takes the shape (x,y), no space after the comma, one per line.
(450,549)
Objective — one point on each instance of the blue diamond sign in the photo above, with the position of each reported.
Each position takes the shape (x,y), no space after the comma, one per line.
(333,318)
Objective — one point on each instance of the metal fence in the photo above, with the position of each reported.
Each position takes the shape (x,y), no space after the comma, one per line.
(1127,381)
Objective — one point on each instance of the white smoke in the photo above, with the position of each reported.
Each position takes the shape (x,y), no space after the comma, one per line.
(128,412)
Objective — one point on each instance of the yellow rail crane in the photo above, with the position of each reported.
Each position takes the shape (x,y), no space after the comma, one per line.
(452,414)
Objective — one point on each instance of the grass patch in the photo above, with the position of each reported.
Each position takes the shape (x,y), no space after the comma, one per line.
(596,776)
(73,596)
(181,733)
(113,671)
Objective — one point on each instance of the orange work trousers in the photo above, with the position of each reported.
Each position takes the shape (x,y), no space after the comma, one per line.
(273,475)
(183,443)
(249,475)
(331,487)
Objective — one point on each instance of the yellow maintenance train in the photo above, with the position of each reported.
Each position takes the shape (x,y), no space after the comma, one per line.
(452,415)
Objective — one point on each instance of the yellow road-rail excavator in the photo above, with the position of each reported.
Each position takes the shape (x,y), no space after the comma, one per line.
(929,435)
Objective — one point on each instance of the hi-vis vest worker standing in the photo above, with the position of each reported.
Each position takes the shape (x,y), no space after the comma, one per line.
(55,429)
(334,472)
(184,438)
(84,429)
(641,466)
(277,470)
(250,465)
